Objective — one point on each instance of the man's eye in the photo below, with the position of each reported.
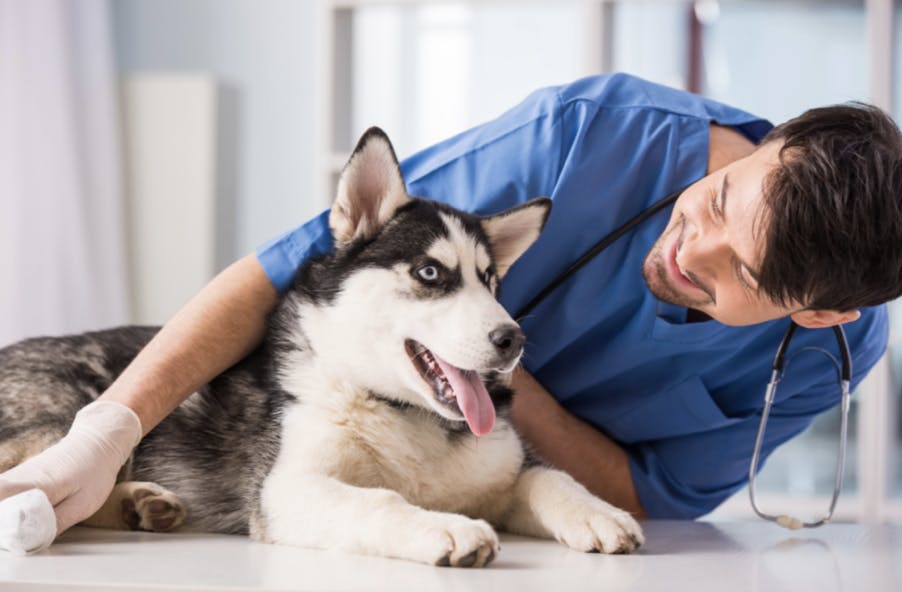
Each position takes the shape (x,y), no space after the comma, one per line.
(428,273)
(715,207)
(745,278)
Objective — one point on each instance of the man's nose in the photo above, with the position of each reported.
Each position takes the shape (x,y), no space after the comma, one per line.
(704,245)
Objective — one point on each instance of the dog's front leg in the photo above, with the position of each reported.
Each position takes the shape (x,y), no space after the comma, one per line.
(139,505)
(318,511)
(551,504)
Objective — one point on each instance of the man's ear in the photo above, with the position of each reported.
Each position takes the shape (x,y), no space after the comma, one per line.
(370,189)
(511,232)
(818,319)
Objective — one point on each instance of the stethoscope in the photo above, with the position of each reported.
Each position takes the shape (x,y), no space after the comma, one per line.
(780,363)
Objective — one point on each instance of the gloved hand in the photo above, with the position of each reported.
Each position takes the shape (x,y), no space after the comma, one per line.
(77,475)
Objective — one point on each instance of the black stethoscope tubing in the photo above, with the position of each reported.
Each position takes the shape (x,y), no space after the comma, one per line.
(597,248)
(777,371)
(846,371)
(632,223)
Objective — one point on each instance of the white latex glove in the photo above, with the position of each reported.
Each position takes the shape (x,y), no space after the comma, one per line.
(77,475)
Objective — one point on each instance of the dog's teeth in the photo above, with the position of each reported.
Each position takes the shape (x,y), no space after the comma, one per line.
(440,383)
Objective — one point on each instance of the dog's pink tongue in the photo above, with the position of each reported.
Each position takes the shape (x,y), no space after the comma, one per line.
(472,398)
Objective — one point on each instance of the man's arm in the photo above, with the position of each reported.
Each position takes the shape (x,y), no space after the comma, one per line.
(218,327)
(573,445)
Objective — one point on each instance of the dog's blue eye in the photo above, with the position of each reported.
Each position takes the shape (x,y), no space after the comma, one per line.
(428,273)
(486,276)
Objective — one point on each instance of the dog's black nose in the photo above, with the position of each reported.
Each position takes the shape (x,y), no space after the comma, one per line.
(508,340)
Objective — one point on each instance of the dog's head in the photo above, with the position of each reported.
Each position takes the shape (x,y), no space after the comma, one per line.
(412,312)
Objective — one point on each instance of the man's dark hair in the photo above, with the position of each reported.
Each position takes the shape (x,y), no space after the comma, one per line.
(834,210)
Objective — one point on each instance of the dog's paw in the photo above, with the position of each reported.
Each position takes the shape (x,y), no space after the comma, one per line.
(458,541)
(151,507)
(592,525)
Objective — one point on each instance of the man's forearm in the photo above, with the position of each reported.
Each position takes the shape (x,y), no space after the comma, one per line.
(573,445)
(218,327)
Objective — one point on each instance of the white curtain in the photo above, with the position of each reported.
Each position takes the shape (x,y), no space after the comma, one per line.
(62,247)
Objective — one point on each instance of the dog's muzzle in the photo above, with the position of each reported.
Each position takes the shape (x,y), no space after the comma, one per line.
(458,390)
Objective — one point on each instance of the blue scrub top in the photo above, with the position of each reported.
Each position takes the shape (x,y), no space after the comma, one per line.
(683,399)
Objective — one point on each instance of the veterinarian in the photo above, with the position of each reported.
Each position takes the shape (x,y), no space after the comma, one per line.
(644,374)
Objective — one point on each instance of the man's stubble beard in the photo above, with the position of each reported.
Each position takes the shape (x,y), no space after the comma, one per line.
(654,271)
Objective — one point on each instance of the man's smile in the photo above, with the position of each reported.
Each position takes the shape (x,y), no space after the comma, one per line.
(684,281)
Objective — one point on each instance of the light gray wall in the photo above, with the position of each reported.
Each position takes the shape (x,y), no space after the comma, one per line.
(779,59)
(264,53)
(650,40)
(771,58)
(425,81)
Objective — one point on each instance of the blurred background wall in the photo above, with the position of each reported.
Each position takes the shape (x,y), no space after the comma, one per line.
(425,70)
(235,117)
(264,58)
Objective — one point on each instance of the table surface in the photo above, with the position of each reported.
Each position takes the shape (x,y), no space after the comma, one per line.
(698,556)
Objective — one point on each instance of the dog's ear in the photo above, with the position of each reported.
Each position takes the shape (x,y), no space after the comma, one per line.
(370,189)
(513,231)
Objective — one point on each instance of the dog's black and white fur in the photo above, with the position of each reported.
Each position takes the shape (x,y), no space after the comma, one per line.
(354,425)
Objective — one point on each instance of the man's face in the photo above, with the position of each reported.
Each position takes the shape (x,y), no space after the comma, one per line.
(709,255)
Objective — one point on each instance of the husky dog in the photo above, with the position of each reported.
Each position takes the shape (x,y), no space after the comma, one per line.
(373,418)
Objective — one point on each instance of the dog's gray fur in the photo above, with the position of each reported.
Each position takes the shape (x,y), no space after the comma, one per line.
(298,445)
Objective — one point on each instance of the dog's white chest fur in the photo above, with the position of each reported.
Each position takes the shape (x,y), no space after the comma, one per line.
(406,307)
(365,442)
(356,474)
